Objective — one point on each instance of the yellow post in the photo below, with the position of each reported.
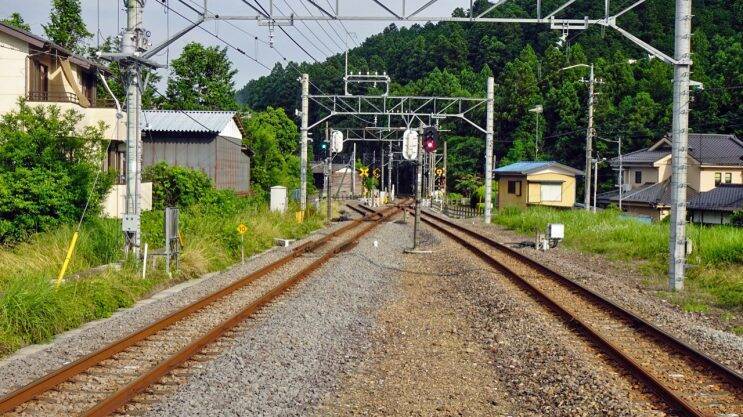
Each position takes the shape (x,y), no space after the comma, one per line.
(67,259)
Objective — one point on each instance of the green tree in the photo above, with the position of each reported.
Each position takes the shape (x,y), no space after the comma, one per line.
(16,20)
(201,79)
(176,186)
(66,26)
(48,170)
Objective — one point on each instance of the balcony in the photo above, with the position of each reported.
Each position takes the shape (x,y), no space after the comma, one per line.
(65,97)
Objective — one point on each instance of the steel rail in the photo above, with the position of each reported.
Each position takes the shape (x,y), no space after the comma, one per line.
(49,381)
(639,370)
(125,394)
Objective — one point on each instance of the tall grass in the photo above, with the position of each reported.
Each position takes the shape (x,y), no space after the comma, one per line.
(716,273)
(32,310)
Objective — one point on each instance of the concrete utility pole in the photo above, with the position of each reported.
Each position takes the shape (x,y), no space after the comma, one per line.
(330,173)
(589,140)
(680,128)
(431,173)
(353,172)
(595,180)
(489,151)
(131,44)
(621,173)
(305,80)
(389,171)
(445,173)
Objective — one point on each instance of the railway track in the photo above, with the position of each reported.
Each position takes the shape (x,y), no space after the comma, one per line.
(688,380)
(104,381)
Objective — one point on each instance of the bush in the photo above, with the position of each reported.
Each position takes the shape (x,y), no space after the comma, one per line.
(737,218)
(48,170)
(175,186)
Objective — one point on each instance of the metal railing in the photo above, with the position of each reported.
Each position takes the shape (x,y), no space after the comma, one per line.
(66,97)
(456,210)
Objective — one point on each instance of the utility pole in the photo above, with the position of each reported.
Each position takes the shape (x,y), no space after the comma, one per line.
(445,173)
(621,173)
(489,151)
(431,173)
(131,44)
(381,170)
(418,186)
(595,180)
(305,80)
(589,141)
(330,173)
(680,128)
(389,172)
(353,172)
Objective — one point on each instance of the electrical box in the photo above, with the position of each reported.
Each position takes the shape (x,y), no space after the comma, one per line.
(130,223)
(556,231)
(278,199)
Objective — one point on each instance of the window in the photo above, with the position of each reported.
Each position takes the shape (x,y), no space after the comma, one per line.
(550,192)
(728,177)
(718,178)
(638,177)
(514,187)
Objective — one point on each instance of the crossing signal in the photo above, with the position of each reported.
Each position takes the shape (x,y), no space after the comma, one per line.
(430,139)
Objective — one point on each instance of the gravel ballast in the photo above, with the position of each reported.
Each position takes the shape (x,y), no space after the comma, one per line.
(622,283)
(35,361)
(285,360)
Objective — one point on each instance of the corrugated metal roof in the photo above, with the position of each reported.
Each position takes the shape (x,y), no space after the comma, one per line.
(186,121)
(726,197)
(525,167)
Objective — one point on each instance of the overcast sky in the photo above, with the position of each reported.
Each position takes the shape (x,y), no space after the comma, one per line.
(112,18)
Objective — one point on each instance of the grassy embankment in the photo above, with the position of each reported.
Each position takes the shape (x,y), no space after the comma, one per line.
(715,278)
(32,310)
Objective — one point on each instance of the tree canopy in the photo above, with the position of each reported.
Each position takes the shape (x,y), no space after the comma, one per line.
(201,79)
(66,26)
(16,20)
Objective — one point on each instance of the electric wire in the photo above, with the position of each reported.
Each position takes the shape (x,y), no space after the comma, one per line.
(330,50)
(322,27)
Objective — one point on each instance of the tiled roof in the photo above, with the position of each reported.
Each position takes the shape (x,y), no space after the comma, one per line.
(186,121)
(707,148)
(725,197)
(526,167)
(657,194)
(712,149)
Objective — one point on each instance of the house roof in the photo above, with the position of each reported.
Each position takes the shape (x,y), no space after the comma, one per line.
(528,167)
(45,44)
(725,197)
(656,194)
(707,148)
(187,121)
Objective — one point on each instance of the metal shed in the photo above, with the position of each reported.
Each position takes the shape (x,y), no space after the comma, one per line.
(207,140)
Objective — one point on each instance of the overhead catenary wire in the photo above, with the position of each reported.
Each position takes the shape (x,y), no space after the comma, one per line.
(322,27)
(320,41)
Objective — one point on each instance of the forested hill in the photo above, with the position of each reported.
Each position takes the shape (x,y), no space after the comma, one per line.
(634,100)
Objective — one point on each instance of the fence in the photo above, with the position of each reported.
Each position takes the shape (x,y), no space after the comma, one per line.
(456,210)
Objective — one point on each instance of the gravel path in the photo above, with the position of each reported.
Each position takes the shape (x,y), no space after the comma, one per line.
(35,361)
(285,360)
(622,283)
(462,340)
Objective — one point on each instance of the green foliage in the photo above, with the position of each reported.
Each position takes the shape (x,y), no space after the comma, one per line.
(48,170)
(718,251)
(201,79)
(115,79)
(737,218)
(273,137)
(634,103)
(176,186)
(33,311)
(478,196)
(66,26)
(16,20)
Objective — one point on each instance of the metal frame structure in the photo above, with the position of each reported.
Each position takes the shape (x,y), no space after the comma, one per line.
(411,110)
(134,55)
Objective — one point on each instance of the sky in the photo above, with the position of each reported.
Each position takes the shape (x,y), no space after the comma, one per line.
(107,18)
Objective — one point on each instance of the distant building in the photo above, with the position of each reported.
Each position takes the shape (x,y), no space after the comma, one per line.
(545,183)
(211,141)
(717,205)
(713,159)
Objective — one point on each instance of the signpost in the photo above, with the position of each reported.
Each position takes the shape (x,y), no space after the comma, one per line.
(241,230)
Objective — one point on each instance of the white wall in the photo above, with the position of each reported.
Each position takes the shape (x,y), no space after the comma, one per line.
(114,205)
(13,53)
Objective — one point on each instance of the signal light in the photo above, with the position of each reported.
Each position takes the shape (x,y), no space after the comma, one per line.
(430,137)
